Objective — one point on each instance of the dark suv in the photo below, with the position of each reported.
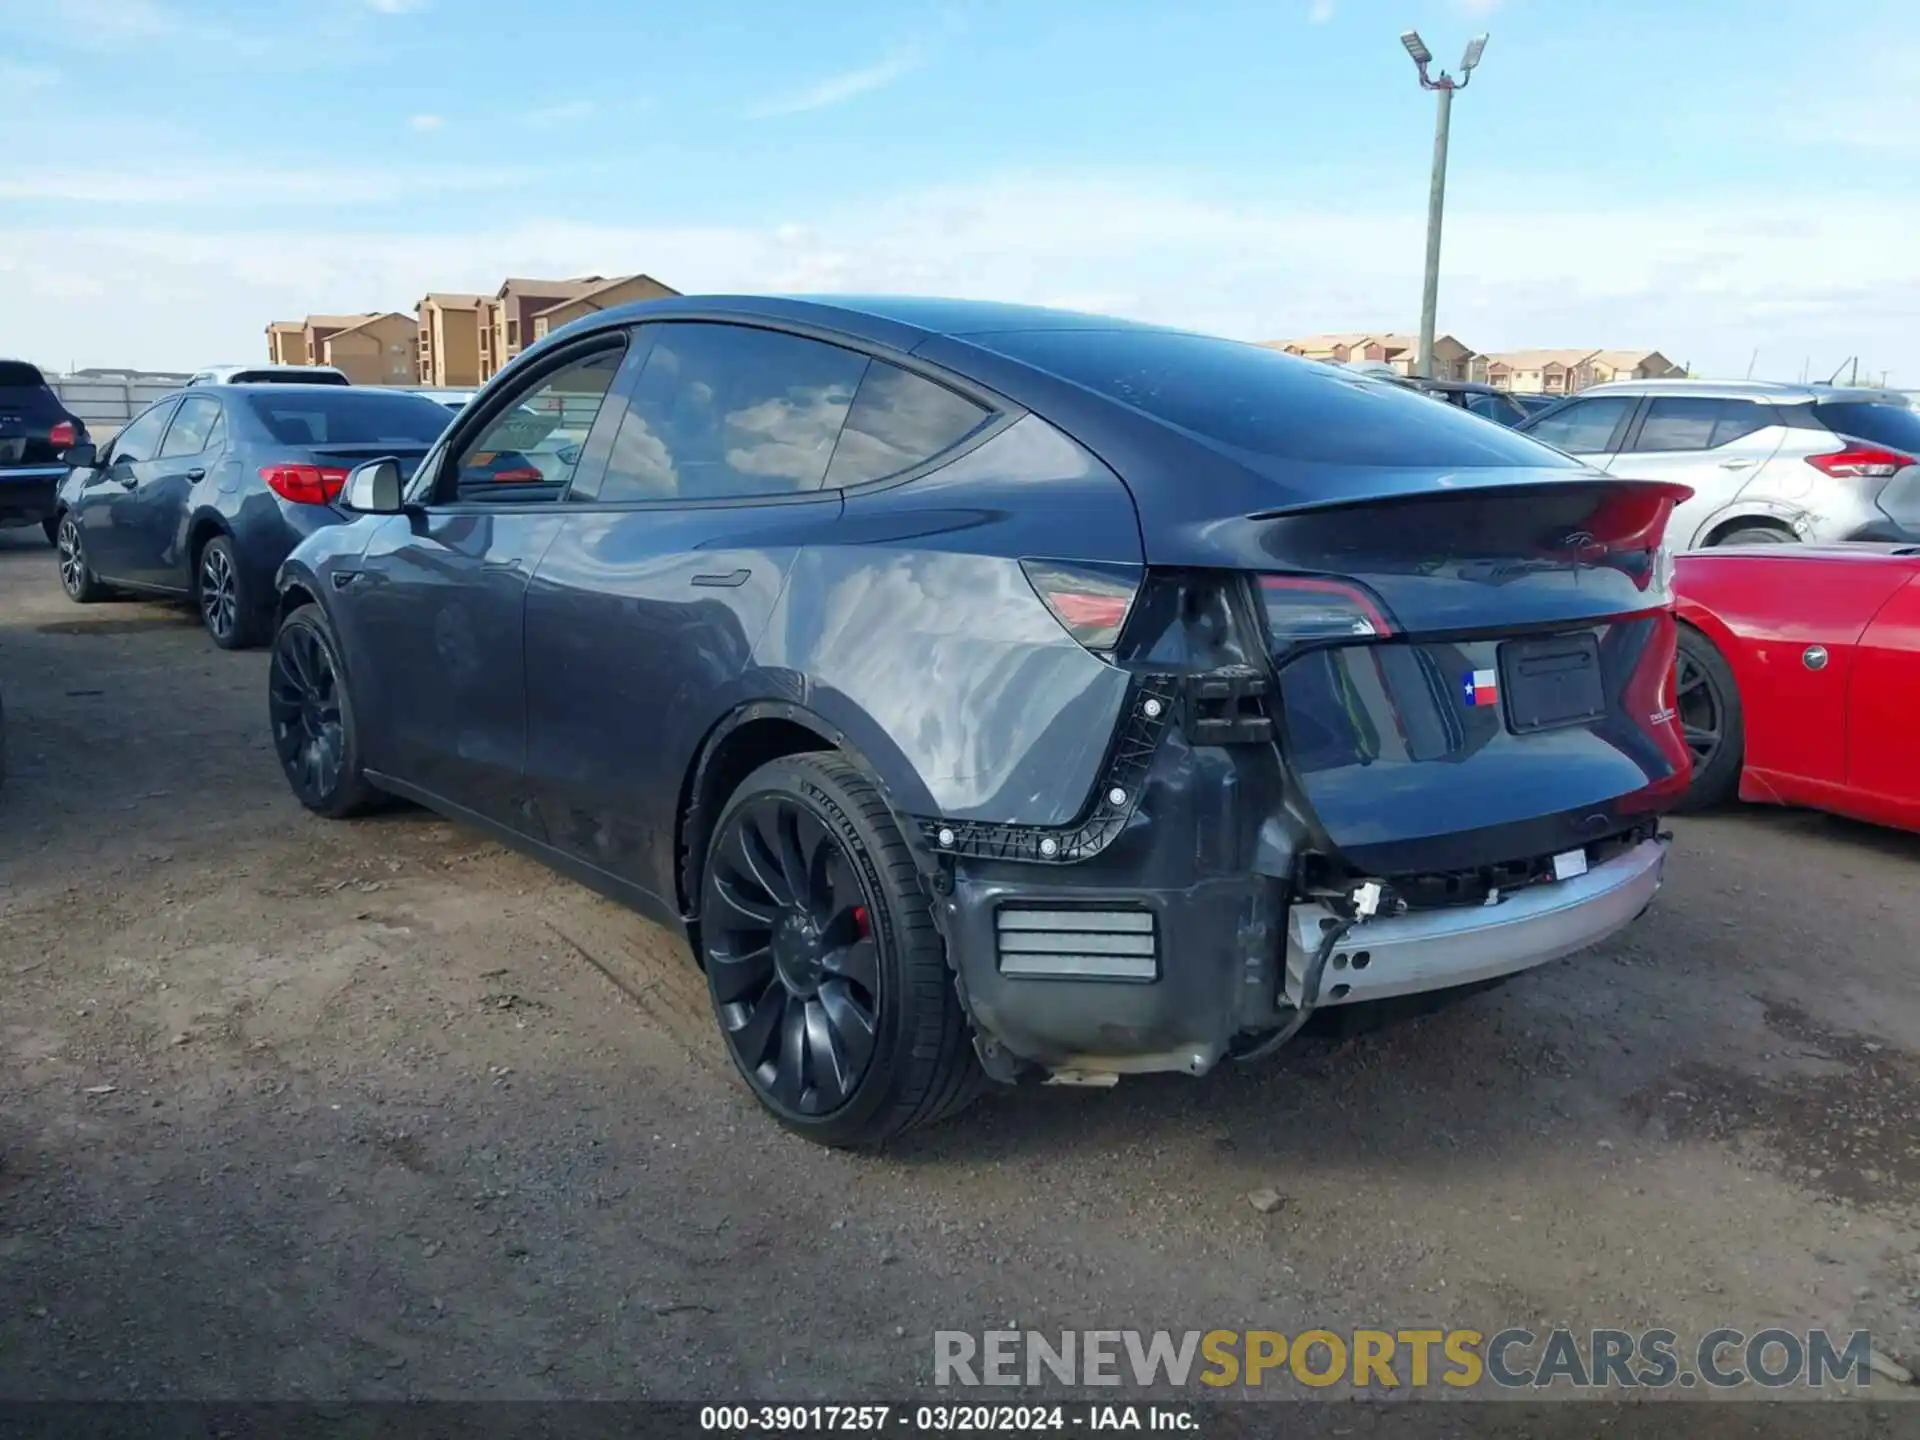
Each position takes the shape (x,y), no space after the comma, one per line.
(35,428)
(985,690)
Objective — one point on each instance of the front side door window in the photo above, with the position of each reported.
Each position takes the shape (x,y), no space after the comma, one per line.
(530,451)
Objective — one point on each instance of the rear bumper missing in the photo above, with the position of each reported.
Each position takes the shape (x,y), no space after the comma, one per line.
(1461,945)
(1109,979)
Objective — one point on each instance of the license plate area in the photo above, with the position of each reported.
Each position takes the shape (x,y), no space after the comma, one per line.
(1552,682)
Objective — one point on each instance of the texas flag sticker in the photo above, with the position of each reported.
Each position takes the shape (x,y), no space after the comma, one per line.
(1480,687)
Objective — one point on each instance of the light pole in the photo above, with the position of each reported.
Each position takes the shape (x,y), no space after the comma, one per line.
(1443,85)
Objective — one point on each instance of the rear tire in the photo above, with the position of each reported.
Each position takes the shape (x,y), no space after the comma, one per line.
(311,716)
(83,587)
(827,976)
(227,605)
(1709,704)
(1755,535)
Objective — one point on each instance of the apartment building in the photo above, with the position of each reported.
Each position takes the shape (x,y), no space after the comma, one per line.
(1562,372)
(1451,359)
(287,342)
(379,350)
(522,311)
(450,327)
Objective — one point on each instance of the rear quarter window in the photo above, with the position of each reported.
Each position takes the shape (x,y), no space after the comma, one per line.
(1268,404)
(353,416)
(1891,425)
(17,374)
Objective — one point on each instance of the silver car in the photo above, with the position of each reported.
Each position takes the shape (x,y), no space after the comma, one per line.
(1766,461)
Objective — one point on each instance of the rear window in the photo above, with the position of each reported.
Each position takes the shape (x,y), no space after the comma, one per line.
(354,416)
(1269,404)
(17,374)
(1891,425)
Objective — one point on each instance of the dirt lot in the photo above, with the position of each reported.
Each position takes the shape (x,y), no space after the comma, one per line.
(290,1108)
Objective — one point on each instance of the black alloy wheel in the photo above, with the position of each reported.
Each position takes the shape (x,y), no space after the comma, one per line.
(225,607)
(76,575)
(826,974)
(1710,719)
(311,715)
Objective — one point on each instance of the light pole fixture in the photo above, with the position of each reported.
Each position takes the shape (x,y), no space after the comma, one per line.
(1443,85)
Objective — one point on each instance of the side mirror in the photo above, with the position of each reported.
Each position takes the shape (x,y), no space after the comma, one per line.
(373,488)
(80,457)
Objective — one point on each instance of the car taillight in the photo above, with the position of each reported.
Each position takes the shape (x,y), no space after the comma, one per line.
(61,436)
(305,484)
(1090,601)
(1860,462)
(1302,609)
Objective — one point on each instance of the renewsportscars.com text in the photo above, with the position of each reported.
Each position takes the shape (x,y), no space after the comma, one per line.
(1509,1359)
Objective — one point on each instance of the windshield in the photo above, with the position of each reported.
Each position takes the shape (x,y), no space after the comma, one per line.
(349,417)
(1272,405)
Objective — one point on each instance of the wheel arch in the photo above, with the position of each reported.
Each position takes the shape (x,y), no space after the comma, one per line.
(747,737)
(1749,514)
(201,529)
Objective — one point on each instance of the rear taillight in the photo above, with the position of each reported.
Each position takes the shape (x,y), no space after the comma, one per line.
(1303,609)
(305,484)
(523,475)
(1860,462)
(1091,601)
(61,436)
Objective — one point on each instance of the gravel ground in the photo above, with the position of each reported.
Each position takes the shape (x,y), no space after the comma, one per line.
(312,1110)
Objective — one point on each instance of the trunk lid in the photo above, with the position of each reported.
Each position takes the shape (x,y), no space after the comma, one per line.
(1476,676)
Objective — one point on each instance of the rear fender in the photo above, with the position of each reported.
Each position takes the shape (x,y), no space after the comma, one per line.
(1796,518)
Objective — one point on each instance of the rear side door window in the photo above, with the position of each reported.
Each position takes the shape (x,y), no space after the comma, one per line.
(730,412)
(1584,427)
(193,429)
(1680,423)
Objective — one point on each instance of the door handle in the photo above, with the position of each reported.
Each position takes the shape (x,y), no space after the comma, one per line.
(196,473)
(1736,464)
(730,580)
(127,482)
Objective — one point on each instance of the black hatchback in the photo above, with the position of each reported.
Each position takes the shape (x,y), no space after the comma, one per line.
(202,494)
(991,692)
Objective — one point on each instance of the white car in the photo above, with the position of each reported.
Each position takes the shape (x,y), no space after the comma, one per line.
(270,375)
(1766,462)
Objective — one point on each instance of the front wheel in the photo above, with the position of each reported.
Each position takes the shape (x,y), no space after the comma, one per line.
(1710,717)
(83,587)
(311,715)
(825,970)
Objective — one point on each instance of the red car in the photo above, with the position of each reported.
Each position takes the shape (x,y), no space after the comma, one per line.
(1799,677)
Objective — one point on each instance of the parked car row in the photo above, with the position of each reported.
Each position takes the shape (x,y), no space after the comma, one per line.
(983,692)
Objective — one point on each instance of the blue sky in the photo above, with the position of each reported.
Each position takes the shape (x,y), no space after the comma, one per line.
(1711,178)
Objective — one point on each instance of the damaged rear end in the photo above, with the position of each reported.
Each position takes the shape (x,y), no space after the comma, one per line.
(1408,731)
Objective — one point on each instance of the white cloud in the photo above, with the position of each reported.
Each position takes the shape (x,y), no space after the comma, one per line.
(563,114)
(1320,11)
(246,188)
(100,22)
(427,123)
(1703,282)
(838,89)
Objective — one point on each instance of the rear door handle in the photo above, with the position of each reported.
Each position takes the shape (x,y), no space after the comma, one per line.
(731,579)
(1736,464)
